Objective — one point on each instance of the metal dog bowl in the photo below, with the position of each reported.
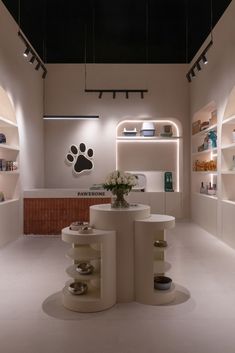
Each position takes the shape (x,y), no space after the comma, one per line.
(85,230)
(84,268)
(78,288)
(160,243)
(78,225)
(162,282)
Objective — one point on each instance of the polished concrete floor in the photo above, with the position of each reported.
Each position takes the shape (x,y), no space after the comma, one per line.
(201,320)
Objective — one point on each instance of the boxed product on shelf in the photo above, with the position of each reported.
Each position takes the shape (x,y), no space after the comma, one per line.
(204,125)
(196,127)
(166,131)
(213,119)
(129,132)
(147,129)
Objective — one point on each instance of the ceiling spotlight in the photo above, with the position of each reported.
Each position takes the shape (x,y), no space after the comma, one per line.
(37,66)
(204,59)
(193,73)
(32,59)
(188,77)
(100,94)
(198,66)
(44,74)
(26,52)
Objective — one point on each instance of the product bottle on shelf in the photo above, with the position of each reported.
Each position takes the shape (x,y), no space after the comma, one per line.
(233,165)
(211,190)
(202,188)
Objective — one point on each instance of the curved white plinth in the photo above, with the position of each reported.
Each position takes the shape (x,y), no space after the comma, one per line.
(98,248)
(122,220)
(148,262)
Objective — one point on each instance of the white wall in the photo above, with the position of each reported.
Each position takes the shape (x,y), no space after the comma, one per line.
(167,98)
(214,83)
(24,86)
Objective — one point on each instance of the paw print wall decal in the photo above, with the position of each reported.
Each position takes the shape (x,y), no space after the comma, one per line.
(80,159)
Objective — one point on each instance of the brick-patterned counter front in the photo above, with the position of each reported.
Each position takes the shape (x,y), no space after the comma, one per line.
(50,215)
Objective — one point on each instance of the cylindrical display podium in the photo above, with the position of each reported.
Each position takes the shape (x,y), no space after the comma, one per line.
(98,249)
(122,220)
(150,261)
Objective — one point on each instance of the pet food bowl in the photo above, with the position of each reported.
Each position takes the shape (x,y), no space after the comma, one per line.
(160,243)
(78,225)
(162,282)
(84,268)
(78,288)
(85,230)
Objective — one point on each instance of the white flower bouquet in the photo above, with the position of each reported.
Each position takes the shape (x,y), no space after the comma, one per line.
(120,181)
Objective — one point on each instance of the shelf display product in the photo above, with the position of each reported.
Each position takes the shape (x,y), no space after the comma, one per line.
(93,273)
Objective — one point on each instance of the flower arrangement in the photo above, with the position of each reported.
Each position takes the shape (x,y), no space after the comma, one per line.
(120,184)
(120,181)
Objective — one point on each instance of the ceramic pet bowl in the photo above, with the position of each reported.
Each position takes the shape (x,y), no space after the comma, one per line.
(162,282)
(78,288)
(84,268)
(78,225)
(160,243)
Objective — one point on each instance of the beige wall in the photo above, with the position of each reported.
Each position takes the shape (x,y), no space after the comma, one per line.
(167,98)
(25,89)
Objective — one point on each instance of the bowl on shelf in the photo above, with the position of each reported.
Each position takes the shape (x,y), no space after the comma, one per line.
(85,268)
(78,225)
(86,230)
(162,282)
(78,288)
(160,243)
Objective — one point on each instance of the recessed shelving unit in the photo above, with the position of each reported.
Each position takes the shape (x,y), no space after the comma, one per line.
(9,179)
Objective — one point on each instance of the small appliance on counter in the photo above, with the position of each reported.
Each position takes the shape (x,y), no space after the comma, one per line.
(147,129)
(168,182)
(140,182)
(129,132)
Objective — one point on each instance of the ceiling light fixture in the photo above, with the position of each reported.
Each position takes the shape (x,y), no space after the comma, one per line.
(29,49)
(204,59)
(70,117)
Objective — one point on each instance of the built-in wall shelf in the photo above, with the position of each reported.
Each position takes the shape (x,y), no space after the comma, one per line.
(229,120)
(230,202)
(6,122)
(205,172)
(227,172)
(9,147)
(9,172)
(8,201)
(205,131)
(230,146)
(206,196)
(147,138)
(212,150)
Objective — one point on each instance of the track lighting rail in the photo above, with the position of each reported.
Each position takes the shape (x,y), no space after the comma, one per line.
(197,65)
(115,91)
(34,56)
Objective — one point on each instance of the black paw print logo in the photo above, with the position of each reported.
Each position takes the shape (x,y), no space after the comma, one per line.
(79,158)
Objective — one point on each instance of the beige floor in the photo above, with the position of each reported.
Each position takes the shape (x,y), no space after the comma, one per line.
(32,319)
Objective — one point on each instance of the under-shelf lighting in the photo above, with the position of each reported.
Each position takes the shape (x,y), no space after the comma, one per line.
(71,117)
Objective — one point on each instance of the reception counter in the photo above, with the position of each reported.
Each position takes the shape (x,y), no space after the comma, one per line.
(47,211)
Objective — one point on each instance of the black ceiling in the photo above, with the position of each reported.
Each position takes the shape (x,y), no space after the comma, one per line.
(121,31)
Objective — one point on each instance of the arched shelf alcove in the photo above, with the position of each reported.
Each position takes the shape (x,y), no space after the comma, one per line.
(153,156)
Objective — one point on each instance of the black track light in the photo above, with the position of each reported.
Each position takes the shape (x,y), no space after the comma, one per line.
(142,95)
(198,66)
(44,73)
(188,77)
(193,73)
(37,66)
(127,95)
(33,57)
(26,52)
(114,94)
(100,94)
(204,59)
